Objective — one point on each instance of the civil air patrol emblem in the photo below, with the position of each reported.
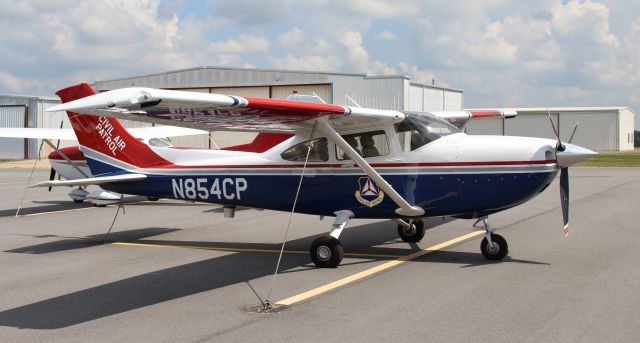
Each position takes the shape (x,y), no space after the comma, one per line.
(368,194)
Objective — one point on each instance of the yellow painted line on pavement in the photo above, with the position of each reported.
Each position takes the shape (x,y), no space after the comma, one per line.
(333,285)
(233,249)
(377,269)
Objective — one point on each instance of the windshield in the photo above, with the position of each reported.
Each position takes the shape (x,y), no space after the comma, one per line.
(419,129)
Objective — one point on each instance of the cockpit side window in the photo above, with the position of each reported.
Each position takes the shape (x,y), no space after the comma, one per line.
(367,144)
(319,151)
(418,130)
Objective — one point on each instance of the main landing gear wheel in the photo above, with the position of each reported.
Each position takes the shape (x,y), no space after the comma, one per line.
(498,248)
(78,201)
(412,234)
(326,252)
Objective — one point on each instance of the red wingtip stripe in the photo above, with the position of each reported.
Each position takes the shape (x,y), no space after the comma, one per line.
(295,106)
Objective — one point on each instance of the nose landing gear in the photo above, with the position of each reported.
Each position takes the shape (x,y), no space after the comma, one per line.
(493,246)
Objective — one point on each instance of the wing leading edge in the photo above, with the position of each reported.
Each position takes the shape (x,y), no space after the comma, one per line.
(220,112)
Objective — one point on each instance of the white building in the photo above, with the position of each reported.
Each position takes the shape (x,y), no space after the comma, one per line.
(599,128)
(25,111)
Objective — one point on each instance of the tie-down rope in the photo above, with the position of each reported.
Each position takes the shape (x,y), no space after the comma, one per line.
(267,303)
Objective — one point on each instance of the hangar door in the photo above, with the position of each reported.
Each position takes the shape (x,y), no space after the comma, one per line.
(531,125)
(596,130)
(486,126)
(12,116)
(256,92)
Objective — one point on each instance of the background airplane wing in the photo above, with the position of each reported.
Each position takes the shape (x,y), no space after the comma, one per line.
(68,134)
(460,118)
(40,133)
(163,131)
(221,112)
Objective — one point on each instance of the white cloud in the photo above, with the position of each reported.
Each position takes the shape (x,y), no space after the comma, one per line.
(369,8)
(291,39)
(356,53)
(13,83)
(500,52)
(387,35)
(243,44)
(308,62)
(251,12)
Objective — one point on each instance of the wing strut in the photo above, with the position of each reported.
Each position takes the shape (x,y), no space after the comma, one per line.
(405,209)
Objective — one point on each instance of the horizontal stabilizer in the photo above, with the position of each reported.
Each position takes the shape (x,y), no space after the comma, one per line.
(92,180)
(40,133)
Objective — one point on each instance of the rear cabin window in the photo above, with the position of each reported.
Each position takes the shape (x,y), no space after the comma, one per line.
(367,144)
(319,151)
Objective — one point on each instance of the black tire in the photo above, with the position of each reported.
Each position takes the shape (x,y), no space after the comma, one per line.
(500,244)
(326,252)
(153,198)
(78,201)
(413,234)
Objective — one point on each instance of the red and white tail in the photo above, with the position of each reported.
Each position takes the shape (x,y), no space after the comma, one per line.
(106,135)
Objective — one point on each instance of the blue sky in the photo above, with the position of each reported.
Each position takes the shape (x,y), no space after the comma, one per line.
(501,53)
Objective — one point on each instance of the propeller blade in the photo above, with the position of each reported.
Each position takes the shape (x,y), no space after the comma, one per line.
(559,145)
(553,126)
(564,198)
(52,175)
(575,127)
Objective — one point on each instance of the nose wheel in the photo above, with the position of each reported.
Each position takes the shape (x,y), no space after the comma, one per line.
(493,246)
(497,249)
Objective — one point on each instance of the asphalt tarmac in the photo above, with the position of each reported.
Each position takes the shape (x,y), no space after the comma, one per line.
(175,271)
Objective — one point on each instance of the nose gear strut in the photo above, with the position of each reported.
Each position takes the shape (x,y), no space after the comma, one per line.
(493,246)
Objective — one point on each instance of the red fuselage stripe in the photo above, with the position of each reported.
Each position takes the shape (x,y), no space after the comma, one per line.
(379,165)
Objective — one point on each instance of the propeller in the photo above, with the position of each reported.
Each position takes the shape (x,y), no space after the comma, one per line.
(564,176)
(52,175)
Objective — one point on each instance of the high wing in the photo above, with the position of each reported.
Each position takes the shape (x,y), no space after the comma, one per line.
(68,134)
(460,118)
(221,112)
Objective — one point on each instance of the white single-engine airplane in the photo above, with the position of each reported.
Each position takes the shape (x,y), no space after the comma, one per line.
(341,161)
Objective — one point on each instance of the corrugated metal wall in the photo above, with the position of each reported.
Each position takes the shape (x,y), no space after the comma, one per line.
(12,116)
(597,130)
(385,93)
(425,98)
(32,103)
(211,76)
